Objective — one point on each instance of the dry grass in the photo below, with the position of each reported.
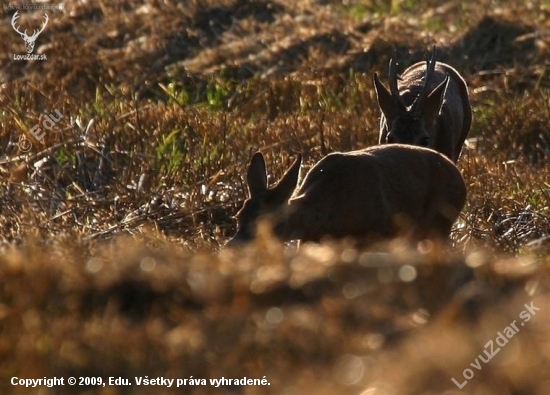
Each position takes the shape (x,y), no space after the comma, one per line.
(111,224)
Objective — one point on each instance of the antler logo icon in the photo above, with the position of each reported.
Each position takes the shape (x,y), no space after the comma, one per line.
(29,40)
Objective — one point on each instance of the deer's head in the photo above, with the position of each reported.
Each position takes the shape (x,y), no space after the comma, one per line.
(263,200)
(410,125)
(29,40)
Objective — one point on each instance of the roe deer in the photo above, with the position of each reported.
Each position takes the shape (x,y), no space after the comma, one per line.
(429,107)
(377,193)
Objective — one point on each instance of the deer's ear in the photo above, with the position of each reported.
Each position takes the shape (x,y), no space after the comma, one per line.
(434,100)
(256,175)
(286,186)
(386,101)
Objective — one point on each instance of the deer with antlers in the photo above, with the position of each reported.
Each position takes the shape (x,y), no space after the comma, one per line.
(29,40)
(428,106)
(373,194)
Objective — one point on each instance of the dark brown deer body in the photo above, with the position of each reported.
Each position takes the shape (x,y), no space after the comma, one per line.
(377,193)
(429,106)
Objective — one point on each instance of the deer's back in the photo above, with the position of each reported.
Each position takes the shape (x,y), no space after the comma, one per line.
(357,192)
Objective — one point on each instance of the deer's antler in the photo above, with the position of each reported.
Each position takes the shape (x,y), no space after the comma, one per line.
(24,34)
(36,33)
(430,67)
(392,80)
(16,28)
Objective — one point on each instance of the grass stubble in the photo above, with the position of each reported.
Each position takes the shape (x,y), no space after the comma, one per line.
(112,224)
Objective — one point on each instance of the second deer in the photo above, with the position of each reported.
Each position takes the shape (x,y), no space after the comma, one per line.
(377,193)
(429,106)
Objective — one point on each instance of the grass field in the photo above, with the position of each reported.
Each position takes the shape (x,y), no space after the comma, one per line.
(113,220)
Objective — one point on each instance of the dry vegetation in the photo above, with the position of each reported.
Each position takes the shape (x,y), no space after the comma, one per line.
(111,225)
